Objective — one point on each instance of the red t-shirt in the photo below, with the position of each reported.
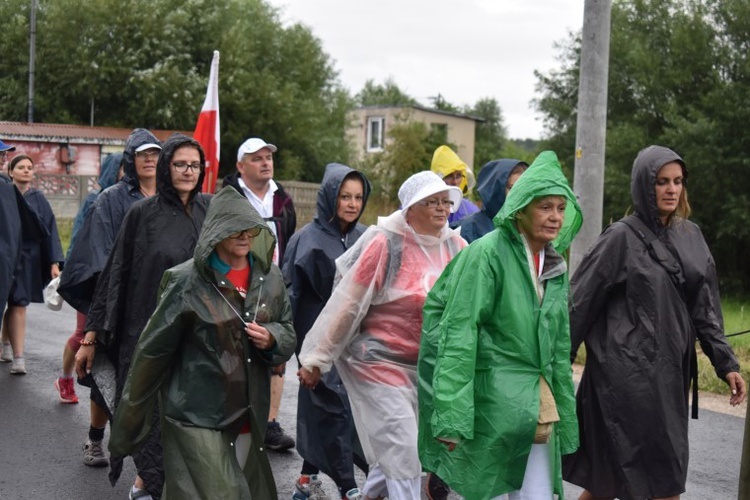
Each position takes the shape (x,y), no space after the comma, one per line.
(240,278)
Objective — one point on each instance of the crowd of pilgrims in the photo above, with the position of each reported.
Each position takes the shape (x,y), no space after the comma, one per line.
(438,340)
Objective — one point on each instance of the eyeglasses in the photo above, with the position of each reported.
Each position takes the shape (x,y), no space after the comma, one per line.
(148,154)
(183,167)
(434,202)
(251,233)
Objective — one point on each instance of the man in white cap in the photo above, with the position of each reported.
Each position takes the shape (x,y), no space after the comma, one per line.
(254,180)
(4,149)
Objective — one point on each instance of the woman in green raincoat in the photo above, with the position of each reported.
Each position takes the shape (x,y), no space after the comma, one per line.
(222,320)
(496,396)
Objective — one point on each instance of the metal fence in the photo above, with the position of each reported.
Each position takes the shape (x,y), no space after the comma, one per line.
(66,193)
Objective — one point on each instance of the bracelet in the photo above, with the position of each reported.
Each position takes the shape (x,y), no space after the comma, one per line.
(88,342)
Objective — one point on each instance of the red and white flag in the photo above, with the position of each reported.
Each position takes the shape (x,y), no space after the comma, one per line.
(207,128)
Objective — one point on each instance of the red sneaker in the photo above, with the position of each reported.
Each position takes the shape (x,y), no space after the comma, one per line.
(67,390)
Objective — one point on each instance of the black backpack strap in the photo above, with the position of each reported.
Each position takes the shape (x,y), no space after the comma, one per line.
(669,262)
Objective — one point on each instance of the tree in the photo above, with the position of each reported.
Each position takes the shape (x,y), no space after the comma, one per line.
(490,136)
(680,77)
(386,94)
(146,63)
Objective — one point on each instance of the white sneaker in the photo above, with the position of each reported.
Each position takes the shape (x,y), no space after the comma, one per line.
(7,355)
(354,494)
(18,367)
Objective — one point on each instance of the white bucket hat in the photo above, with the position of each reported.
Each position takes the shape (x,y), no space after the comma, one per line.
(423,184)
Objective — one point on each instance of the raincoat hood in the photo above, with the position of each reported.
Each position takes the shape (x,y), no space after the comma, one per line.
(492,181)
(543,178)
(445,161)
(108,173)
(643,182)
(137,138)
(164,184)
(328,196)
(230,213)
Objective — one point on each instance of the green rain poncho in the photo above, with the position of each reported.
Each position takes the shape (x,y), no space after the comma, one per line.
(487,339)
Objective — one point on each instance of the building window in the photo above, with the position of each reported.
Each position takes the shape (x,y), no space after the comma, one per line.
(375,133)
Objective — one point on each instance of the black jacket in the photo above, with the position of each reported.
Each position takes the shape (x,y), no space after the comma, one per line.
(18,223)
(158,233)
(639,335)
(96,238)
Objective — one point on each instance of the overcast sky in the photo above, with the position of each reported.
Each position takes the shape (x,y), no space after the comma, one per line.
(464,50)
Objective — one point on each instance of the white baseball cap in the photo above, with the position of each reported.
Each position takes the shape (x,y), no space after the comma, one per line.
(253,145)
(148,145)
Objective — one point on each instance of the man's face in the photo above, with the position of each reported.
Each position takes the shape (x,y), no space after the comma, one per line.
(256,168)
(3,158)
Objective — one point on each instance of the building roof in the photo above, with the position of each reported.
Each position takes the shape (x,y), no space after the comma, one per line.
(423,108)
(82,134)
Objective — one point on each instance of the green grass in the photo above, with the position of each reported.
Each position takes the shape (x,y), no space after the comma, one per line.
(736,318)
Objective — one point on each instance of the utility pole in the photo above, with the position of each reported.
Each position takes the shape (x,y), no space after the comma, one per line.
(32,58)
(591,127)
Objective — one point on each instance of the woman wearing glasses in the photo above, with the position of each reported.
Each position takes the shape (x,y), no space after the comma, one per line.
(370,328)
(156,234)
(222,320)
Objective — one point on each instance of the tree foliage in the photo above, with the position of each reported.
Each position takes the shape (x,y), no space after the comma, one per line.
(385,94)
(679,76)
(146,63)
(490,136)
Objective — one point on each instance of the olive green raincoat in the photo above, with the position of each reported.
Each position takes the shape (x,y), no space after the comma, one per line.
(195,356)
(486,340)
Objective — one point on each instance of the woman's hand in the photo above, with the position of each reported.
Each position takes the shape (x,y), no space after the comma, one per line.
(260,336)
(85,355)
(55,270)
(737,385)
(309,378)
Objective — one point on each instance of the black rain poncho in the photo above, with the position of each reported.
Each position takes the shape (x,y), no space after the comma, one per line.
(18,223)
(639,333)
(158,233)
(326,435)
(96,238)
(195,358)
(33,271)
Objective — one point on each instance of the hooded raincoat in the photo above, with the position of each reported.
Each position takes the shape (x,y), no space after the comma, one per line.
(444,162)
(639,334)
(491,188)
(195,358)
(37,256)
(95,240)
(325,429)
(487,339)
(18,223)
(158,233)
(370,329)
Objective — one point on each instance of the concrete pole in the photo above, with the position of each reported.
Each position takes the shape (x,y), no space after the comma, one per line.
(32,59)
(591,128)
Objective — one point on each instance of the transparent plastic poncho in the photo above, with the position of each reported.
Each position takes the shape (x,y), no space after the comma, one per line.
(370,328)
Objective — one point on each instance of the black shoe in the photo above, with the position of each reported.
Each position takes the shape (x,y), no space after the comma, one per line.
(276,439)
(436,488)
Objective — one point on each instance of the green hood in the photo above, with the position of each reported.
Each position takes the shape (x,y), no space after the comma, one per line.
(230,213)
(543,178)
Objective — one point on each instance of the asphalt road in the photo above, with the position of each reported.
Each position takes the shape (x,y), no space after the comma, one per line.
(40,439)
